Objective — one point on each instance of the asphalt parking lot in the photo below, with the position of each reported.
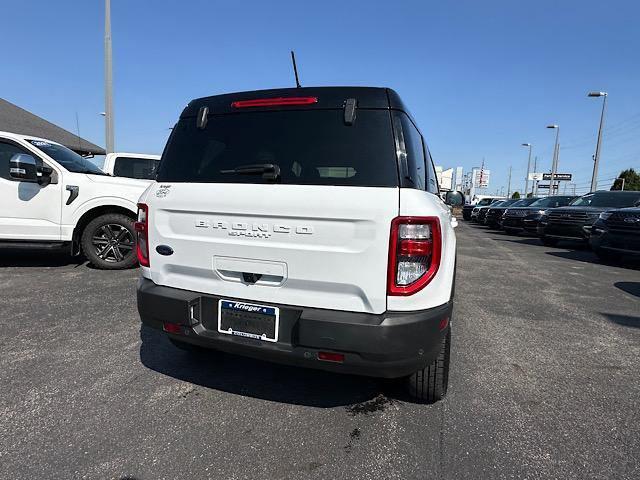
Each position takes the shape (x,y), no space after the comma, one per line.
(545,383)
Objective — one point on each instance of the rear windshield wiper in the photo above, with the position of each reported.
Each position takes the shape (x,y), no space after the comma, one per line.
(269,171)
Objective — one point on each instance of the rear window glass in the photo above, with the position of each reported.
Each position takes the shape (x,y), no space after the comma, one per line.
(134,167)
(312,147)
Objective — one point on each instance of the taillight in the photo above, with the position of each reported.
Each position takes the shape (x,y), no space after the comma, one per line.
(142,230)
(271,102)
(414,254)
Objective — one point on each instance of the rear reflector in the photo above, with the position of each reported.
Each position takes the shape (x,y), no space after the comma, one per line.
(271,102)
(172,327)
(444,323)
(331,357)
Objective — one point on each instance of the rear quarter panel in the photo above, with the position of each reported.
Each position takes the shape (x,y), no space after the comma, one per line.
(438,291)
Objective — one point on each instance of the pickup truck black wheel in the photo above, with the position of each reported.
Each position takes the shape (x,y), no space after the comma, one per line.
(108,242)
(510,231)
(430,384)
(549,242)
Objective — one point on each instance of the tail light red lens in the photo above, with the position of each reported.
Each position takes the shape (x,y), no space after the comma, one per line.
(414,254)
(142,232)
(271,102)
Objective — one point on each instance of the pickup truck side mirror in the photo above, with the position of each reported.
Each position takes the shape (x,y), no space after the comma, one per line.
(454,198)
(23,167)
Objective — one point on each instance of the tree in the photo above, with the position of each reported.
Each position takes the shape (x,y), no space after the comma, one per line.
(631,180)
(515,195)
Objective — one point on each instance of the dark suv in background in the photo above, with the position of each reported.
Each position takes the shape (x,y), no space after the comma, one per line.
(519,218)
(495,216)
(467,209)
(495,211)
(574,222)
(616,234)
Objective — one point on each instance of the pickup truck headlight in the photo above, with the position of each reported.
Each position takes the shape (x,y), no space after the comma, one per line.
(605,215)
(542,212)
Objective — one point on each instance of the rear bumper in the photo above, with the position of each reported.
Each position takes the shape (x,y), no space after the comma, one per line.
(388,345)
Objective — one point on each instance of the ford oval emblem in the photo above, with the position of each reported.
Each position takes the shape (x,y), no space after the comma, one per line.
(164,250)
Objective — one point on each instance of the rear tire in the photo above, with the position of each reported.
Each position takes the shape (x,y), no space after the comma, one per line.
(510,231)
(109,242)
(429,385)
(549,242)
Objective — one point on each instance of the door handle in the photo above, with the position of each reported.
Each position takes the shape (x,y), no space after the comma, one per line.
(73,193)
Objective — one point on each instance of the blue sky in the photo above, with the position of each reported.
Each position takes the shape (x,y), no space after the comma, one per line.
(480,77)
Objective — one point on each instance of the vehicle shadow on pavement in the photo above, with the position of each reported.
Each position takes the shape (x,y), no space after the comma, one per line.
(632,288)
(587,256)
(254,378)
(38,258)
(523,241)
(624,320)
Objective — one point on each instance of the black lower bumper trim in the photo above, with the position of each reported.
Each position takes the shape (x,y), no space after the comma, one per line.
(388,345)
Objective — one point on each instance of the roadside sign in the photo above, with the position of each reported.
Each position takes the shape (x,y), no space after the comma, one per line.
(536,176)
(559,176)
(543,186)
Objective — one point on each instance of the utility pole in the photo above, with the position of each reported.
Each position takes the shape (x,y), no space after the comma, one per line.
(509,184)
(526,178)
(596,159)
(535,183)
(554,163)
(108,80)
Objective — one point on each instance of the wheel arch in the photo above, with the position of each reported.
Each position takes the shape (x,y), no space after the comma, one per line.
(89,215)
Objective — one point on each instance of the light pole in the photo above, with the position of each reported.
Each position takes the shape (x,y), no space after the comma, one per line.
(554,163)
(526,178)
(108,80)
(596,160)
(622,188)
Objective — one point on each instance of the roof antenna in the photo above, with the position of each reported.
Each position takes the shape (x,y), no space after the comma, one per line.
(295,69)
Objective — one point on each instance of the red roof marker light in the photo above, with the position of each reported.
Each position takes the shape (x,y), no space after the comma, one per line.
(271,102)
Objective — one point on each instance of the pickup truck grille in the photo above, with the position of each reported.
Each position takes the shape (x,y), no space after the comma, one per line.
(624,221)
(568,217)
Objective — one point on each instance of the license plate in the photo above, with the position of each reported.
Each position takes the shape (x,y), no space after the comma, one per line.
(248,320)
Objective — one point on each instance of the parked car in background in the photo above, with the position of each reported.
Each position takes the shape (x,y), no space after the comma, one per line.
(519,218)
(479,208)
(467,209)
(53,197)
(131,165)
(616,234)
(574,222)
(493,218)
(246,246)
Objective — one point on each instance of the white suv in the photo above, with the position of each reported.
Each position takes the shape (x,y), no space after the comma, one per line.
(51,196)
(302,226)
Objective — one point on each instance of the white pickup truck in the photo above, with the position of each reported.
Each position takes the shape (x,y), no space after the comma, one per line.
(131,165)
(50,196)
